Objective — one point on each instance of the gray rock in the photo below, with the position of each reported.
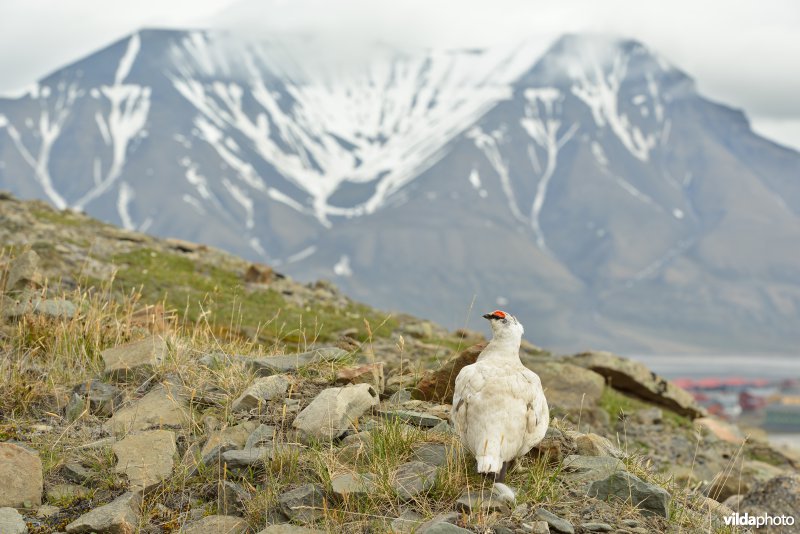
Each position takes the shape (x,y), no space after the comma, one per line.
(594,445)
(21,476)
(261,435)
(569,387)
(554,522)
(335,410)
(634,377)
(161,407)
(649,416)
(231,437)
(147,458)
(11,522)
(231,498)
(292,362)
(779,496)
(304,504)
(262,390)
(46,510)
(430,453)
(413,478)
(406,522)
(23,273)
(247,457)
(369,373)
(30,302)
(94,397)
(348,484)
(536,527)
(135,359)
(485,500)
(77,473)
(217,524)
(443,527)
(588,469)
(60,493)
(442,428)
(286,528)
(597,527)
(408,416)
(400,396)
(120,516)
(651,499)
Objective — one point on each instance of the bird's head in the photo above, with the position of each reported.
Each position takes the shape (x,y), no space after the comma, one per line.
(504,325)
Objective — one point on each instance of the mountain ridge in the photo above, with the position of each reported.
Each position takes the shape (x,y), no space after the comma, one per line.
(616,201)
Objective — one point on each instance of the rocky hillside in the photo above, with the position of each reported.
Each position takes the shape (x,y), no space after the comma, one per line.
(164,386)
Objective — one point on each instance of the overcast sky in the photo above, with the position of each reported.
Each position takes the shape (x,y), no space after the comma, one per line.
(745,54)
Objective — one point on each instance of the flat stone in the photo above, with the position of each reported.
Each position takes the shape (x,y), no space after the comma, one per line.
(536,527)
(335,410)
(411,417)
(217,524)
(485,500)
(597,527)
(30,302)
(160,407)
(406,522)
(147,458)
(262,390)
(554,522)
(567,386)
(286,528)
(634,377)
(231,497)
(135,359)
(587,469)
(305,504)
(46,510)
(230,437)
(348,484)
(370,373)
(21,476)
(120,516)
(77,473)
(11,522)
(261,435)
(777,496)
(443,527)
(23,273)
(95,397)
(595,445)
(60,493)
(430,453)
(247,457)
(651,499)
(413,478)
(292,362)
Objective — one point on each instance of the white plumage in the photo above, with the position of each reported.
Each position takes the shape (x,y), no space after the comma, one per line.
(499,409)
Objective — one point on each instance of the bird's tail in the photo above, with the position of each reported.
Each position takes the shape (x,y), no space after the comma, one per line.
(489,464)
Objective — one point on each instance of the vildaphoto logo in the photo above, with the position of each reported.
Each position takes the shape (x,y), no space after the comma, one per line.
(763,520)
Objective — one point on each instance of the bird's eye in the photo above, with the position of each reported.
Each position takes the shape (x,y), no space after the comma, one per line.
(505,321)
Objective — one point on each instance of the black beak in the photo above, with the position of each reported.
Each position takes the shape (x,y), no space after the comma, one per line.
(491,316)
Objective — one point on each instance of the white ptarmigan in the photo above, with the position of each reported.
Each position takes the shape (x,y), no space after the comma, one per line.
(499,409)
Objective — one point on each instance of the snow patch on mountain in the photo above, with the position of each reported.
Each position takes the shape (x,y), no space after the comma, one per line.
(380,125)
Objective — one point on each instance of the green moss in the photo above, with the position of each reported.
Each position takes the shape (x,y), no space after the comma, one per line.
(618,404)
(202,292)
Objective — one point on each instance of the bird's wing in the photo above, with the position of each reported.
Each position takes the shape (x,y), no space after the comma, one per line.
(529,390)
(468,382)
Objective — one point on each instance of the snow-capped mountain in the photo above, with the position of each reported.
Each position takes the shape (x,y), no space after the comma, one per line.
(592,191)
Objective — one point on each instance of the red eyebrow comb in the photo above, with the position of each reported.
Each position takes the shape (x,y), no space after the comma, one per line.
(499,313)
